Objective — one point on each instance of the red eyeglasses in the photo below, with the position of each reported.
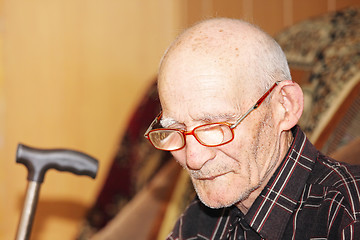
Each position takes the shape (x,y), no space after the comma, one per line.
(210,135)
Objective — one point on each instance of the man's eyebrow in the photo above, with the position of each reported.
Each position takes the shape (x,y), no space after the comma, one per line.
(218,117)
(206,118)
(166,122)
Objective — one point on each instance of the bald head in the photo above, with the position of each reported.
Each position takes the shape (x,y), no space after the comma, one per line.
(238,47)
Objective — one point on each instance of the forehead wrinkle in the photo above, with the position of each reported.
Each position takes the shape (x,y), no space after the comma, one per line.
(187,108)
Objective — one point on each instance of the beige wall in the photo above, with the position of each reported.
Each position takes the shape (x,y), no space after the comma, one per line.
(72,72)
(272,15)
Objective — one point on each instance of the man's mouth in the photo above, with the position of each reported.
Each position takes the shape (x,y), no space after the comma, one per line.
(212,177)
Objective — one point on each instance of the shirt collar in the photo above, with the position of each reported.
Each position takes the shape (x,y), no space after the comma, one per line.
(272,209)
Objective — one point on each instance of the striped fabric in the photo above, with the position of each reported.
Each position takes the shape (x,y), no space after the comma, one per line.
(310,196)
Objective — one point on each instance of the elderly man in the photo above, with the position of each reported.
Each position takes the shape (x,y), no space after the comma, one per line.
(229,115)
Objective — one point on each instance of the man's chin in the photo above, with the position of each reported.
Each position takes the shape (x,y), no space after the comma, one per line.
(217,201)
(221,200)
(217,206)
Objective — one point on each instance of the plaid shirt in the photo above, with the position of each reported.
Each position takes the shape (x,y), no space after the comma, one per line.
(310,196)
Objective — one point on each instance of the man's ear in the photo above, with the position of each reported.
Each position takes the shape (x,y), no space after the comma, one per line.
(289,104)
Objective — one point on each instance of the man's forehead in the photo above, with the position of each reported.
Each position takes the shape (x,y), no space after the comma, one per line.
(201,105)
(195,88)
(187,70)
(203,85)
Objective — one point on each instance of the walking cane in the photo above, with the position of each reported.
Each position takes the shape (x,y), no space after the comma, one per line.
(37,162)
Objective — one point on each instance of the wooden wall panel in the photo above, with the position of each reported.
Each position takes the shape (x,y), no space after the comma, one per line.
(272,16)
(194,12)
(227,8)
(269,15)
(73,72)
(304,9)
(345,3)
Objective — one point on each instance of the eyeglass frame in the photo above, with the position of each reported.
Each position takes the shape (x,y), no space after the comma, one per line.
(192,132)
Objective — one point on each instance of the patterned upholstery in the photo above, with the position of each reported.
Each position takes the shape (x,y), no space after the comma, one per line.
(328,47)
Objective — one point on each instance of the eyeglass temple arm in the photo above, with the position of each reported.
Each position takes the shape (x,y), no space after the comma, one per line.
(256,105)
(155,121)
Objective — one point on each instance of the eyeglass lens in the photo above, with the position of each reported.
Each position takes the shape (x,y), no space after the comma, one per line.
(167,139)
(208,135)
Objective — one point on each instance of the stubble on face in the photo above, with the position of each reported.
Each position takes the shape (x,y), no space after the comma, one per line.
(266,156)
(251,168)
(264,141)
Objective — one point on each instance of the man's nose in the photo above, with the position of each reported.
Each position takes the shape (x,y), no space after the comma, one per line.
(196,154)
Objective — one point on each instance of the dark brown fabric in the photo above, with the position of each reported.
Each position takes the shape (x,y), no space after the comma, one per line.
(134,165)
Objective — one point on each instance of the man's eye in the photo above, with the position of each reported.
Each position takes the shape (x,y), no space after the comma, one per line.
(163,136)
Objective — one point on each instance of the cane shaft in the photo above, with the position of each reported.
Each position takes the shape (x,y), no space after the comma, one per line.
(27,216)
